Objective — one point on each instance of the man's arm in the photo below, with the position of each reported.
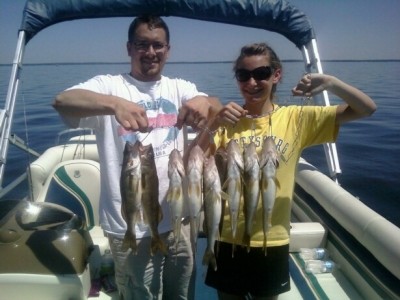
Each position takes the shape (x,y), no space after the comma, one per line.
(79,103)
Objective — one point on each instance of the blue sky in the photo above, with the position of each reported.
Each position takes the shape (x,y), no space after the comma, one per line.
(346,29)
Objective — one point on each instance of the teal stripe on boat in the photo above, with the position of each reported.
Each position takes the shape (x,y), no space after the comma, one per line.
(299,280)
(63,178)
(316,287)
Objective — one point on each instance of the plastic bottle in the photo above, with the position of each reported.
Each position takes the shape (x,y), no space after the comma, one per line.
(107,264)
(319,266)
(313,253)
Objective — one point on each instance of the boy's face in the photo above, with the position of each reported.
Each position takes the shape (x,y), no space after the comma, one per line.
(149,52)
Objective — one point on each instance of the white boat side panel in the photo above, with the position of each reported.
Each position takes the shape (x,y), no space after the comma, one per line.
(362,222)
(44,287)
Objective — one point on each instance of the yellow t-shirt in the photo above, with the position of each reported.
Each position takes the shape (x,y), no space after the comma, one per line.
(293,129)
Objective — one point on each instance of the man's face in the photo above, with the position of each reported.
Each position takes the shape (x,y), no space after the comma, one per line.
(148,51)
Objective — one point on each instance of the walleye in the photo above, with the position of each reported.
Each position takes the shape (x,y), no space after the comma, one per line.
(131,193)
(269,162)
(194,175)
(251,178)
(221,161)
(233,183)
(176,175)
(212,209)
(151,206)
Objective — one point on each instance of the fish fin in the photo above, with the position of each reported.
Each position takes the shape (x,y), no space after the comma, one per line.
(239,188)
(181,170)
(190,191)
(158,245)
(276,163)
(265,246)
(169,196)
(239,162)
(194,229)
(277,182)
(263,184)
(123,211)
(129,241)
(173,194)
(246,241)
(210,260)
(265,242)
(262,162)
(225,185)
(224,195)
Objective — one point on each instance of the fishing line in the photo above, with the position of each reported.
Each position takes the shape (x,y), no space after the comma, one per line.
(27,144)
(304,101)
(269,113)
(210,133)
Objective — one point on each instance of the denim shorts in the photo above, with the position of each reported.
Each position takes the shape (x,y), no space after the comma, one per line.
(143,276)
(251,272)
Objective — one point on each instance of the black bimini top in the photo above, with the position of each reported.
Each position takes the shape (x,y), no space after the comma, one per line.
(272,15)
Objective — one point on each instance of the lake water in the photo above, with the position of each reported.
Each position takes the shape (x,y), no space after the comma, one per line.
(368,149)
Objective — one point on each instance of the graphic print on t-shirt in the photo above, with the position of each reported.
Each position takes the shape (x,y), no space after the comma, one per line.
(161,114)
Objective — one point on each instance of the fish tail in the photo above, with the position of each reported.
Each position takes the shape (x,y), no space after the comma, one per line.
(233,224)
(246,241)
(129,241)
(265,245)
(178,225)
(158,245)
(177,233)
(194,229)
(209,259)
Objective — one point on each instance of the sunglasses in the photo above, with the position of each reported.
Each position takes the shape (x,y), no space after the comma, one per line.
(261,73)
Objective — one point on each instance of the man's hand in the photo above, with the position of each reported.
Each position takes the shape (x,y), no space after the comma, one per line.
(197,111)
(131,116)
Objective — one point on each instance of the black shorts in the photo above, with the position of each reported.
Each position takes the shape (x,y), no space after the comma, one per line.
(253,272)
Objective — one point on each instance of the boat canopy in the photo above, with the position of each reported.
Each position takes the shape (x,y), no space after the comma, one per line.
(271,15)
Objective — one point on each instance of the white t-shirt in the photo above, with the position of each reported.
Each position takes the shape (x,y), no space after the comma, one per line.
(161,99)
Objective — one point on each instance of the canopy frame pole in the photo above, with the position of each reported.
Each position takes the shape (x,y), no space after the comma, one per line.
(6,114)
(313,62)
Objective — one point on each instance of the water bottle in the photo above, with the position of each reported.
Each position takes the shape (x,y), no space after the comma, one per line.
(319,266)
(313,253)
(107,264)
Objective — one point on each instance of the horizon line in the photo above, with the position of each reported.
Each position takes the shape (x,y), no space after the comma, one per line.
(203,62)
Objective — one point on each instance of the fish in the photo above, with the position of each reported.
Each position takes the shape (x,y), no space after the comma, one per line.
(194,177)
(131,193)
(251,189)
(151,206)
(269,162)
(175,196)
(233,184)
(221,161)
(212,209)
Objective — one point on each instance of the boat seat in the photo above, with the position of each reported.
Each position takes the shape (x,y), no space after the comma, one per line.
(40,169)
(306,235)
(75,184)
